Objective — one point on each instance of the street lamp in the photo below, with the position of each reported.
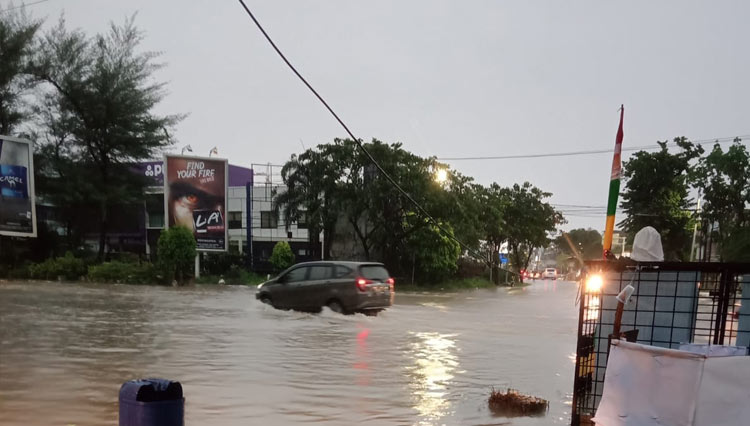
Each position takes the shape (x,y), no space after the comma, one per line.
(187,148)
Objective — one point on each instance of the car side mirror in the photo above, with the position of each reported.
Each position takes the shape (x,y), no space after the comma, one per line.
(281,280)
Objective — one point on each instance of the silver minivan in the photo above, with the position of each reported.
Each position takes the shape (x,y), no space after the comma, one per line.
(344,287)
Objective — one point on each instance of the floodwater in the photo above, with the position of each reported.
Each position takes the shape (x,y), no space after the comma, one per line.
(65,349)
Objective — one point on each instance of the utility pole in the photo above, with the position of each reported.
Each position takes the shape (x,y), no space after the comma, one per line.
(695,232)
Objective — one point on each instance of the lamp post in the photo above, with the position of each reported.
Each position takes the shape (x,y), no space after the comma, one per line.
(187,148)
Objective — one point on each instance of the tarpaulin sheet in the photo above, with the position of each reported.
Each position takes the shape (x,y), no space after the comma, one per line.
(647,385)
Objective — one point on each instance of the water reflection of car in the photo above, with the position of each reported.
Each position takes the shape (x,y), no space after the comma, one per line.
(341,286)
(550,274)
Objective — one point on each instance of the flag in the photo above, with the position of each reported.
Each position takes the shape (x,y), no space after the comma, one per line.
(614,187)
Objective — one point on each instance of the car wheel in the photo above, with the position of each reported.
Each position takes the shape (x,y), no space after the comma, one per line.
(265,300)
(335,306)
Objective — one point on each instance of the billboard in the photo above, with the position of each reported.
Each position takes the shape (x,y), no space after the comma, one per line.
(17,202)
(195,196)
(152,171)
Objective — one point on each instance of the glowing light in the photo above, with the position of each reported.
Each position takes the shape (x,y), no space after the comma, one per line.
(594,283)
(441,175)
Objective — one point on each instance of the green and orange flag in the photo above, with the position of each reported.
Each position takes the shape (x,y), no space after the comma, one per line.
(614,187)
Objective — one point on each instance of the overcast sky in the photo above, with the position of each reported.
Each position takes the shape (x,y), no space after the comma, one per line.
(448,78)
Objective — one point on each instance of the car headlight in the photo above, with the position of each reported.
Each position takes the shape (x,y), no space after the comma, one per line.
(259,286)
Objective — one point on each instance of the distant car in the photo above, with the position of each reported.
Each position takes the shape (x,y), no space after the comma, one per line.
(343,287)
(550,274)
(536,275)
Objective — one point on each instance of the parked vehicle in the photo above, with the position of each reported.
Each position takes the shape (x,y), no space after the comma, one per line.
(550,274)
(341,286)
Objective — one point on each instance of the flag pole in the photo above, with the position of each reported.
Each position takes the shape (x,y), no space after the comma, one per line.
(614,188)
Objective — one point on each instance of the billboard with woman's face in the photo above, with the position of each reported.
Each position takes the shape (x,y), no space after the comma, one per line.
(17,208)
(195,193)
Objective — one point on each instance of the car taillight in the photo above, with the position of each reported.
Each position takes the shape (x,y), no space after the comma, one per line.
(390,282)
(362,283)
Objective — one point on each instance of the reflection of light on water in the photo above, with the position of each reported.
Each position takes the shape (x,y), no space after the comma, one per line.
(362,355)
(435,364)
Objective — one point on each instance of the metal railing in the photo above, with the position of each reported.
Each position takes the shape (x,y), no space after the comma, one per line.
(672,304)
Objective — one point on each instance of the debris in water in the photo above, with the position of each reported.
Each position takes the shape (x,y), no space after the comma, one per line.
(513,404)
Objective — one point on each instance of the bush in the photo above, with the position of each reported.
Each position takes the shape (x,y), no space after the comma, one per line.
(221,263)
(176,253)
(125,257)
(435,254)
(71,268)
(67,267)
(122,272)
(15,272)
(282,256)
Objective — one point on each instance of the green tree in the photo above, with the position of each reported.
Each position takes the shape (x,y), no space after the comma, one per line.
(338,181)
(587,244)
(100,105)
(528,220)
(736,247)
(494,201)
(310,180)
(390,213)
(282,256)
(657,194)
(724,179)
(17,33)
(176,252)
(435,252)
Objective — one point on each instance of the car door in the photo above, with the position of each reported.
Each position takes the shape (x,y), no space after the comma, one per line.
(287,292)
(317,288)
(343,285)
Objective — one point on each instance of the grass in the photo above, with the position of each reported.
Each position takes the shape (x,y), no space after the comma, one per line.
(235,277)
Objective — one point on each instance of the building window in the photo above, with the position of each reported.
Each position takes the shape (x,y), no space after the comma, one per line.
(155,220)
(302,252)
(268,220)
(155,210)
(235,220)
(302,221)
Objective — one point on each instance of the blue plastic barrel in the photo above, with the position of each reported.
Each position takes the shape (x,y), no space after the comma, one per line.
(152,402)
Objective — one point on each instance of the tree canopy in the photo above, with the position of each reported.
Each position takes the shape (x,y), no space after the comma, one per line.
(657,194)
(336,185)
(724,180)
(17,40)
(97,100)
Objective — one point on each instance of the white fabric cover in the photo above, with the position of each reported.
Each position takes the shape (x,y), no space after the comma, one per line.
(714,350)
(724,394)
(647,385)
(647,246)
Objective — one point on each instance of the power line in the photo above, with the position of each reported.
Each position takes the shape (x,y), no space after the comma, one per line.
(586,152)
(577,206)
(356,139)
(22,6)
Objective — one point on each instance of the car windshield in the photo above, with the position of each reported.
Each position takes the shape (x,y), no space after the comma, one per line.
(550,269)
(374,272)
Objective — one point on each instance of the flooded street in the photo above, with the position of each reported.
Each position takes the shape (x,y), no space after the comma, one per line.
(65,349)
